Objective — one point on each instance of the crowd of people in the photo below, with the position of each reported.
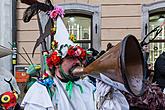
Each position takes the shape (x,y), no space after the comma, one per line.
(56,88)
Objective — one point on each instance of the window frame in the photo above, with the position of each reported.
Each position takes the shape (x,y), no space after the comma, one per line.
(86,16)
(88,10)
(147,11)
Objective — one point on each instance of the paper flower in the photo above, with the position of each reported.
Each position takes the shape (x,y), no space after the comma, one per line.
(72,37)
(54,44)
(53,31)
(53,59)
(57,11)
(77,51)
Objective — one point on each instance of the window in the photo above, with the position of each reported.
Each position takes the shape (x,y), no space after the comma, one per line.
(158,45)
(152,15)
(80,27)
(85,25)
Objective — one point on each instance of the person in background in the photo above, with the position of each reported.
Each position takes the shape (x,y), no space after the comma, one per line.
(159,75)
(148,67)
(109,46)
(9,89)
(90,58)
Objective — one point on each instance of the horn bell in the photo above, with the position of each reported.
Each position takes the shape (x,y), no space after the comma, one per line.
(123,63)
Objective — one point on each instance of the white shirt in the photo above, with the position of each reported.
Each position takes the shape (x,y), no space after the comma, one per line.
(37,98)
(114,101)
(80,101)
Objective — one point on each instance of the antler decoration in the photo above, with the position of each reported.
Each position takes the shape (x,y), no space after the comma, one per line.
(29,2)
(157,30)
(9,82)
(41,39)
(33,10)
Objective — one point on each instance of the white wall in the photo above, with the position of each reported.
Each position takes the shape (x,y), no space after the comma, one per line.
(6,30)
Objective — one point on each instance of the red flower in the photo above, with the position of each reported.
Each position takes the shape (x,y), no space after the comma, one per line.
(77,51)
(71,51)
(49,62)
(83,53)
(54,59)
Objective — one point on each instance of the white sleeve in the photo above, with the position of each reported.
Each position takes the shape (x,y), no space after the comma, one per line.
(38,96)
(107,100)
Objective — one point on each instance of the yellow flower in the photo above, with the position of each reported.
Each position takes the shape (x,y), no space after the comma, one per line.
(72,37)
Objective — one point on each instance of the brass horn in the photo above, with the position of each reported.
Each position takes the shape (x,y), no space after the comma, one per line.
(123,63)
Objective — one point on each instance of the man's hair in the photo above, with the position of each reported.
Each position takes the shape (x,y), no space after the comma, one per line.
(109,46)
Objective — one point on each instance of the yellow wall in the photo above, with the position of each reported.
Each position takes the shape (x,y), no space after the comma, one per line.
(118,18)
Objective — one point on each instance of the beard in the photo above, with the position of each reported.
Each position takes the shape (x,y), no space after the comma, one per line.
(72,68)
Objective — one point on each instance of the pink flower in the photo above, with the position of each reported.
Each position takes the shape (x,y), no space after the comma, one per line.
(53,14)
(78,52)
(57,11)
(60,10)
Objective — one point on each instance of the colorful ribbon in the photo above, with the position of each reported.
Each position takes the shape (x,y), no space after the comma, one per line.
(69,87)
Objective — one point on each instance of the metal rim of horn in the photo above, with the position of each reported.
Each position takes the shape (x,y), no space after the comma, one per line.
(132,65)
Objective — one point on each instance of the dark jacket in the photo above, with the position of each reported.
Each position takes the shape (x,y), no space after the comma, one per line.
(146,73)
(159,75)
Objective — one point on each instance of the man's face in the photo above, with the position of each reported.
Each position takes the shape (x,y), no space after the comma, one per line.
(69,63)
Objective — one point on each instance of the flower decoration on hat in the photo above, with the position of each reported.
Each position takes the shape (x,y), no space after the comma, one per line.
(77,51)
(57,11)
(72,38)
(8,99)
(53,59)
(54,44)
(53,30)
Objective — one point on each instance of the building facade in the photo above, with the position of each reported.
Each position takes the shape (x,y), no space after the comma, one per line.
(6,30)
(98,23)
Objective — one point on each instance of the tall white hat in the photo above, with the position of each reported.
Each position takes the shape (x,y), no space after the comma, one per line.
(62,37)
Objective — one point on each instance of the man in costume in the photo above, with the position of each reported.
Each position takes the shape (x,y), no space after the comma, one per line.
(58,89)
(8,86)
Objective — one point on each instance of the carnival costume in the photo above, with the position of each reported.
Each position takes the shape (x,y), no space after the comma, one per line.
(54,93)
(9,89)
